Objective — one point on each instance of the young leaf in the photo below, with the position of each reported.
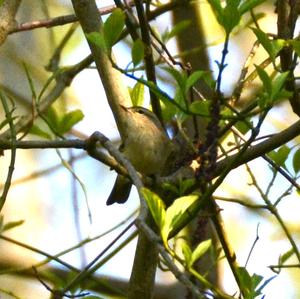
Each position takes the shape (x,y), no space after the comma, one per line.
(199,251)
(156,206)
(280,156)
(231,15)
(242,127)
(175,212)
(69,120)
(187,253)
(265,79)
(113,27)
(200,107)
(296,45)
(193,78)
(11,225)
(283,258)
(53,118)
(271,46)
(35,130)
(137,94)
(296,161)
(248,5)
(278,84)
(137,52)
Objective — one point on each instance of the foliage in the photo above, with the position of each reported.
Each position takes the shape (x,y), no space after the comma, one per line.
(214,131)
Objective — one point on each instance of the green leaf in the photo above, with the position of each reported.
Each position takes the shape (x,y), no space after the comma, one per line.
(113,27)
(280,156)
(248,5)
(179,97)
(218,11)
(137,52)
(169,110)
(69,120)
(283,258)
(1,2)
(296,45)
(53,118)
(231,15)
(296,161)
(175,212)
(185,185)
(199,251)
(271,46)
(98,39)
(187,253)
(193,78)
(156,206)
(178,28)
(278,84)
(200,107)
(11,225)
(137,94)
(179,77)
(242,127)
(35,130)
(265,79)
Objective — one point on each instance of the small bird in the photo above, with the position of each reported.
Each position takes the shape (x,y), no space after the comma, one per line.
(146,145)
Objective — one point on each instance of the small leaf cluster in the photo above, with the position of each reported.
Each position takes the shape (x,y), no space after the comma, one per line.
(184,83)
(169,219)
(58,123)
(250,283)
(273,89)
(280,157)
(230,15)
(112,29)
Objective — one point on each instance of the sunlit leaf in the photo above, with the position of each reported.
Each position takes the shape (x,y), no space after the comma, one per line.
(187,253)
(137,94)
(200,107)
(175,212)
(296,161)
(193,78)
(199,251)
(113,27)
(156,206)
(265,79)
(69,120)
(36,130)
(280,156)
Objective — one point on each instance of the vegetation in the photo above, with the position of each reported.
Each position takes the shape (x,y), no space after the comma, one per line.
(228,94)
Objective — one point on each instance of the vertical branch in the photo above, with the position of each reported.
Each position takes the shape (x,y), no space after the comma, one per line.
(287,16)
(8,10)
(116,92)
(149,62)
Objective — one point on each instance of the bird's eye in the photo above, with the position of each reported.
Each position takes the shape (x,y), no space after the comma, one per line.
(141,111)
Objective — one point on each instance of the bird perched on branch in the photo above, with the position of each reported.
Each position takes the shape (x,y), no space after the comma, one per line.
(146,145)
